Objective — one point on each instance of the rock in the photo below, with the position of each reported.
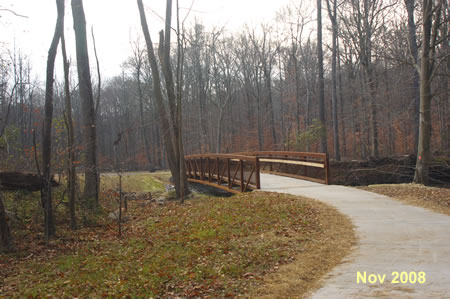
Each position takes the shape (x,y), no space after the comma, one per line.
(144,196)
(169,187)
(115,216)
(160,201)
(137,195)
(145,203)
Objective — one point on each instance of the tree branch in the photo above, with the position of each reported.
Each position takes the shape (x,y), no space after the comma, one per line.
(13,12)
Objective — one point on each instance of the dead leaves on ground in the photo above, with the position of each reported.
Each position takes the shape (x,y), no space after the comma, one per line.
(432,198)
(215,247)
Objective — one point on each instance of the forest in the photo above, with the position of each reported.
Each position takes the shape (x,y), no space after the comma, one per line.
(355,79)
(257,89)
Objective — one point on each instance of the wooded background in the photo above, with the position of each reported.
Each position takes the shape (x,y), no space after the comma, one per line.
(257,89)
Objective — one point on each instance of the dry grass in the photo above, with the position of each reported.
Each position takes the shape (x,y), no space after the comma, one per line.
(319,255)
(431,198)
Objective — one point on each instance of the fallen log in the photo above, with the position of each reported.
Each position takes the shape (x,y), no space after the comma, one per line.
(14,180)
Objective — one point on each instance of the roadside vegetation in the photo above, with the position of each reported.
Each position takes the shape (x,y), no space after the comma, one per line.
(209,246)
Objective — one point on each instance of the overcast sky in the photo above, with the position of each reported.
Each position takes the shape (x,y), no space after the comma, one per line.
(114,22)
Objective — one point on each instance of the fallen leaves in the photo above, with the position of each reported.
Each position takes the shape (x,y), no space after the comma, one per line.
(207,248)
(432,198)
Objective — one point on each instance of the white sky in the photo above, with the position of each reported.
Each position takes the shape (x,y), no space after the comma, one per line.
(114,21)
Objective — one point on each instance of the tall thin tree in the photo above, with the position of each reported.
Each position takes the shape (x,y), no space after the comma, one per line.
(414,52)
(431,21)
(332,13)
(168,116)
(89,129)
(323,138)
(72,176)
(46,191)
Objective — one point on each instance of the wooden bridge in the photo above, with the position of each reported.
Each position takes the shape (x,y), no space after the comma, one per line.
(240,172)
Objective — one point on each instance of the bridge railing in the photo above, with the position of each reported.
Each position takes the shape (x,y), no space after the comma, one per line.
(307,166)
(231,172)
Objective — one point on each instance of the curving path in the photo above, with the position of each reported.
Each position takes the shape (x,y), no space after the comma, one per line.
(392,237)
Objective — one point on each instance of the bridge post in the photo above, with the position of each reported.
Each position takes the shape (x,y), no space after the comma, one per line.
(327,170)
(201,169)
(241,164)
(209,170)
(258,179)
(218,170)
(229,173)
(186,166)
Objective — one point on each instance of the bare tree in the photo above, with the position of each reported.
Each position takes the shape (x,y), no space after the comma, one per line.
(224,74)
(168,116)
(332,13)
(431,14)
(46,191)
(99,77)
(89,129)
(71,171)
(414,52)
(138,65)
(266,55)
(363,20)
(323,139)
(199,54)
(444,99)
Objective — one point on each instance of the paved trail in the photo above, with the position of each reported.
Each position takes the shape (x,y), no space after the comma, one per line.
(392,237)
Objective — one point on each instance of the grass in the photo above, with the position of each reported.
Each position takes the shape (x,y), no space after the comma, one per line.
(136,181)
(208,247)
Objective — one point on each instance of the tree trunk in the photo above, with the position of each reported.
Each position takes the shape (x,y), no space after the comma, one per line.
(46,190)
(259,120)
(219,130)
(72,175)
(323,138)
(141,113)
(267,74)
(341,102)
(424,154)
(283,133)
(168,118)
(297,93)
(5,234)
(332,15)
(179,122)
(89,129)
(444,98)
(414,49)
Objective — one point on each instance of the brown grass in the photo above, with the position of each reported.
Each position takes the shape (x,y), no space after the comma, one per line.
(430,198)
(320,254)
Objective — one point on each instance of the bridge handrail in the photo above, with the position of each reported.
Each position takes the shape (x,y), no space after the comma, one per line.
(227,171)
(219,169)
(284,153)
(223,156)
(315,160)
